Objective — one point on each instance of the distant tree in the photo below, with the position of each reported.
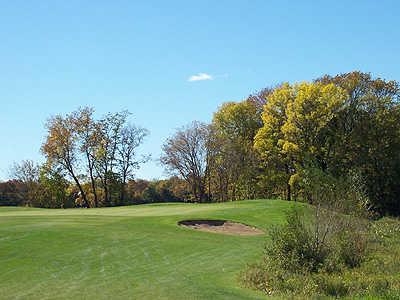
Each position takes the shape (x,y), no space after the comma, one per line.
(177,187)
(185,154)
(150,194)
(220,166)
(61,149)
(110,130)
(88,138)
(135,190)
(12,193)
(27,172)
(260,98)
(268,141)
(233,129)
(366,136)
(99,155)
(128,161)
(53,189)
(305,133)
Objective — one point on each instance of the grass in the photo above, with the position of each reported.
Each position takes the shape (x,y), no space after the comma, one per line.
(139,252)
(129,252)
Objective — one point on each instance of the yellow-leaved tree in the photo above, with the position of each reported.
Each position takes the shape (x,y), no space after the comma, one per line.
(295,127)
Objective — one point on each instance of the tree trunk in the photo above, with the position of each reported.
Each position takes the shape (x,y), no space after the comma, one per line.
(209,186)
(96,200)
(122,192)
(85,200)
(288,192)
(92,180)
(288,189)
(105,194)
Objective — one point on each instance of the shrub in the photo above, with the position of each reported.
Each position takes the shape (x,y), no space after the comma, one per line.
(311,251)
(295,247)
(352,247)
(332,286)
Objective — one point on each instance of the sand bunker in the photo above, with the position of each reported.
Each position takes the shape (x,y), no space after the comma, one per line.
(221,226)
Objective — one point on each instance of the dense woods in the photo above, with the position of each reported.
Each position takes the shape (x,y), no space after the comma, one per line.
(263,146)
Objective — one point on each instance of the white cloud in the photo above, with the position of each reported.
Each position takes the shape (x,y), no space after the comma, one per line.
(200,77)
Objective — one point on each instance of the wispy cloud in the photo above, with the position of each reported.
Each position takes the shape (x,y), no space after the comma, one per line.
(200,77)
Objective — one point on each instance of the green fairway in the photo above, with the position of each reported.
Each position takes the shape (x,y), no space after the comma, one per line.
(134,252)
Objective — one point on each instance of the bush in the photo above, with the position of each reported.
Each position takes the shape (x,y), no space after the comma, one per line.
(294,247)
(310,252)
(256,277)
(326,241)
(332,286)
(352,247)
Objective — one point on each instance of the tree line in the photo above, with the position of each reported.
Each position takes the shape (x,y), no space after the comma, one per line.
(89,162)
(266,145)
(261,147)
(50,190)
(93,157)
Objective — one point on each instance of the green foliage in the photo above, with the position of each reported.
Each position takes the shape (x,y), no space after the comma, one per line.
(358,263)
(376,277)
(317,252)
(259,147)
(237,121)
(11,193)
(232,161)
(150,194)
(141,191)
(294,247)
(53,190)
(347,122)
(294,122)
(365,136)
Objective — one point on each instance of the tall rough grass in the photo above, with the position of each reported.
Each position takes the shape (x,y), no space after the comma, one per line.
(329,250)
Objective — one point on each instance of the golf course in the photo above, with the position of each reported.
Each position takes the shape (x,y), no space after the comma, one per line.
(130,252)
(200,150)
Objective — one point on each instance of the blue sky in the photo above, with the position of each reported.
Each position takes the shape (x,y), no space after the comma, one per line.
(139,55)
